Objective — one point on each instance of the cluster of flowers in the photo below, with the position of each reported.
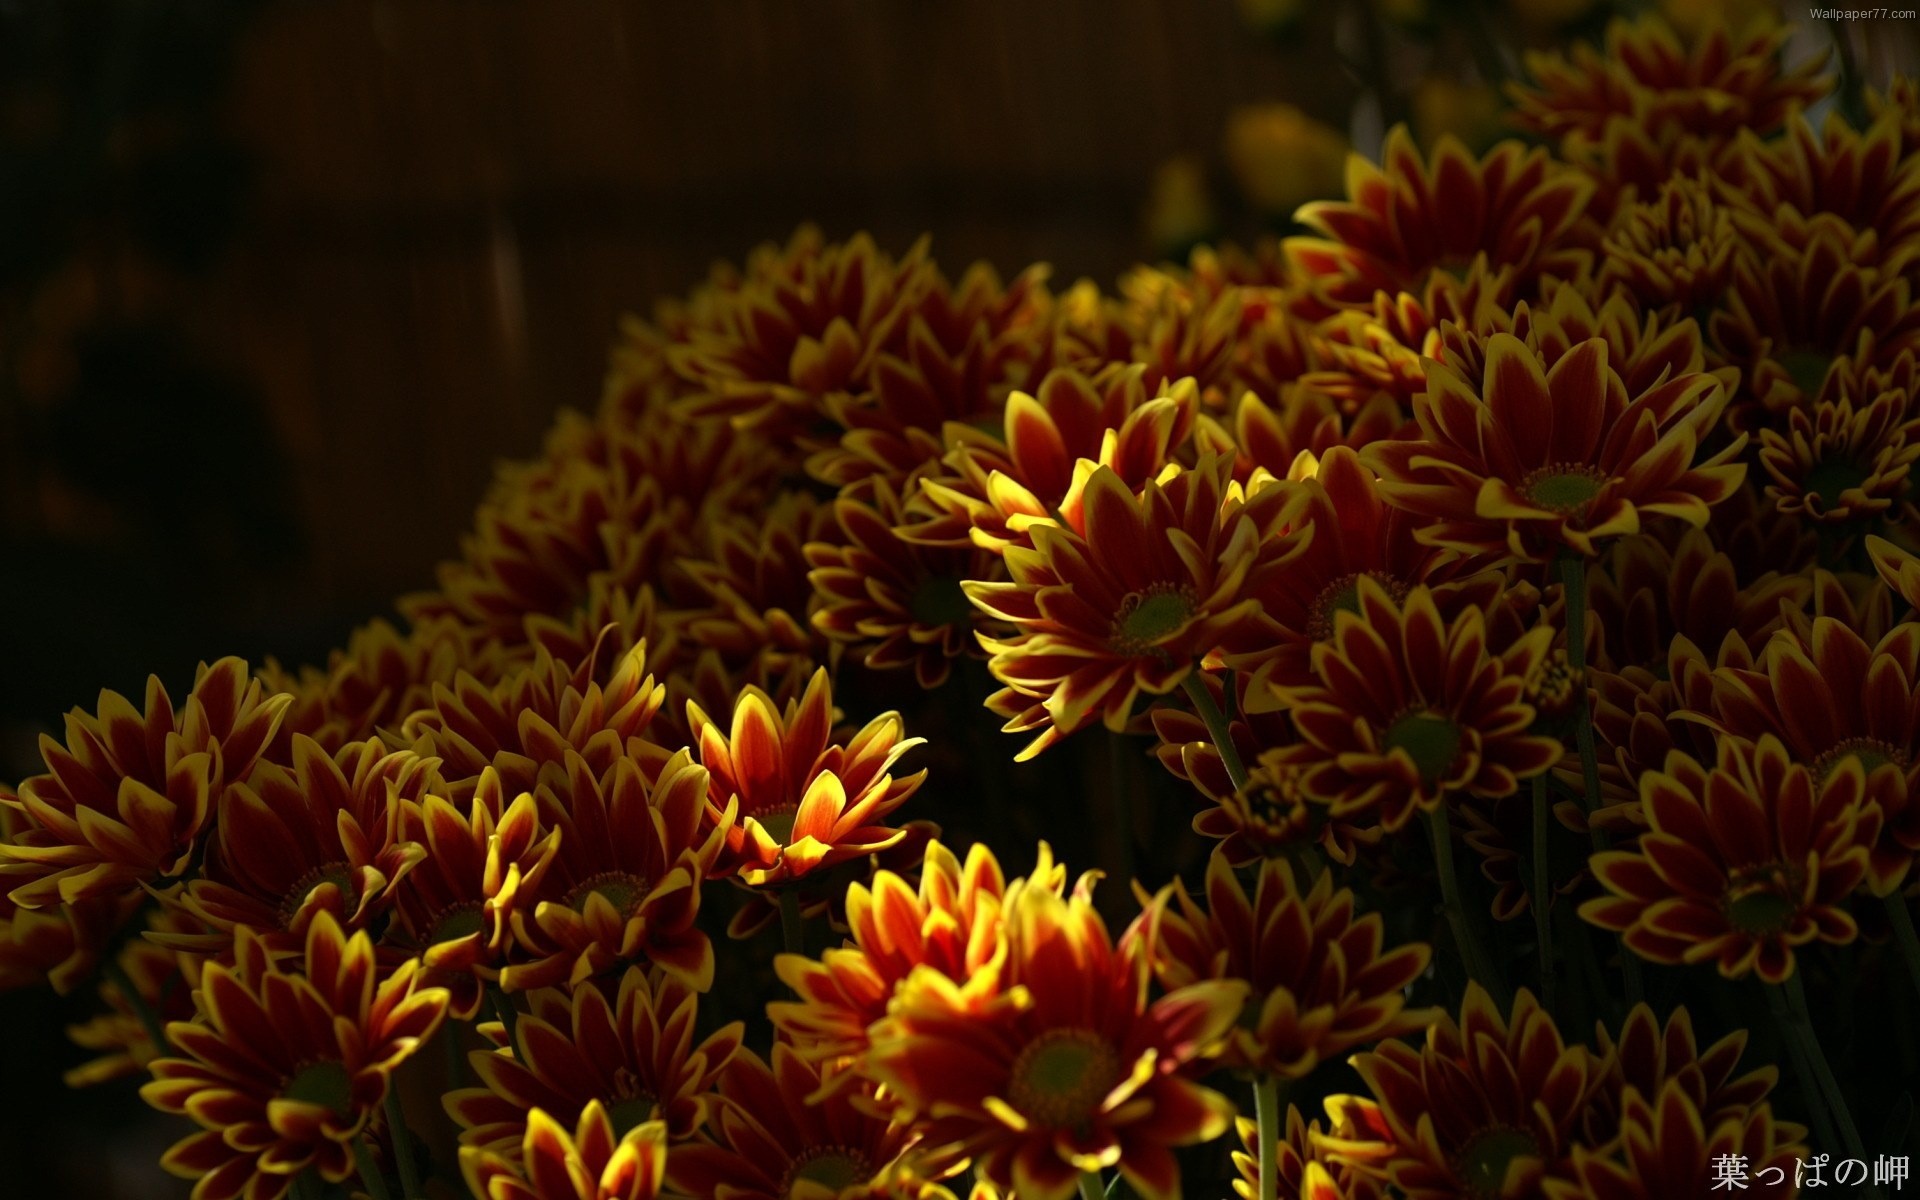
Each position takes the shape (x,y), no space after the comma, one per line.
(1550,501)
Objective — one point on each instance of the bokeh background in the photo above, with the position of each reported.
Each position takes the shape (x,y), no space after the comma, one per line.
(280,282)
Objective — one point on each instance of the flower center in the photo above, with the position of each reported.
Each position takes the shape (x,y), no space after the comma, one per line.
(1830,478)
(939,601)
(1430,740)
(1807,369)
(1343,595)
(326,1084)
(829,1168)
(1872,754)
(339,874)
(1062,1076)
(1148,616)
(1564,487)
(621,889)
(778,822)
(632,1105)
(461,920)
(1485,1161)
(1762,902)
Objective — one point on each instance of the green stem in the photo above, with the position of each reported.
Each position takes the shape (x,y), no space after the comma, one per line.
(1217,726)
(503,1008)
(1542,891)
(1266,1108)
(1903,933)
(156,1032)
(402,1144)
(1802,1069)
(1465,932)
(793,925)
(1824,1087)
(1090,1188)
(370,1175)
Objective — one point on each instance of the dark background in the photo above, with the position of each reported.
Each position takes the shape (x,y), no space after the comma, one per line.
(279,283)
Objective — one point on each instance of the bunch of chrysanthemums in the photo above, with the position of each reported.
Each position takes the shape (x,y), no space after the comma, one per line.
(1508,573)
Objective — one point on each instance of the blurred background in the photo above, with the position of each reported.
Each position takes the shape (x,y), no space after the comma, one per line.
(280,282)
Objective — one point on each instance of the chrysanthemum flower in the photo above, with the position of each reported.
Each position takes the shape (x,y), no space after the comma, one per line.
(592,1163)
(753,576)
(1646,591)
(892,602)
(455,909)
(1536,461)
(1647,1057)
(1899,568)
(1126,600)
(1372,358)
(1740,863)
(1303,1173)
(993,489)
(1321,982)
(1778,187)
(1411,216)
(1832,696)
(1404,708)
(125,799)
(782,1132)
(1488,1107)
(633,1053)
(1675,247)
(290,844)
(286,1068)
(625,883)
(1067,1068)
(1667,1149)
(59,946)
(1842,462)
(804,800)
(948,923)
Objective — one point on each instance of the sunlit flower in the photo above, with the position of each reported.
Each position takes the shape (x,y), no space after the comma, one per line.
(1538,461)
(1488,1107)
(592,1163)
(125,799)
(782,1132)
(633,1052)
(286,1068)
(1404,708)
(1321,981)
(1066,1068)
(1126,600)
(1740,863)
(1303,1172)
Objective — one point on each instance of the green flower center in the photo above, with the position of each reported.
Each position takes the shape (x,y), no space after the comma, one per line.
(1343,595)
(1830,478)
(826,1168)
(1762,901)
(939,601)
(339,874)
(633,1104)
(621,889)
(1807,369)
(1564,488)
(1871,753)
(462,920)
(1061,1077)
(1146,617)
(778,822)
(1485,1161)
(326,1084)
(1431,741)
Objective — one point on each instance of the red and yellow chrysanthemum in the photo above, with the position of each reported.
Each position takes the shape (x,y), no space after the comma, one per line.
(591,1163)
(1741,862)
(633,1053)
(126,798)
(284,1068)
(1320,980)
(1674,247)
(1066,1068)
(1404,708)
(1536,462)
(1127,600)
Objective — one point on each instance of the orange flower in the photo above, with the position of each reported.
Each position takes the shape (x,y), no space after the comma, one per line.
(1404,709)
(291,844)
(1127,599)
(285,1069)
(635,1056)
(592,1163)
(625,883)
(1740,863)
(125,800)
(1412,215)
(1320,984)
(1487,1107)
(805,801)
(1066,1068)
(789,1133)
(1536,461)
